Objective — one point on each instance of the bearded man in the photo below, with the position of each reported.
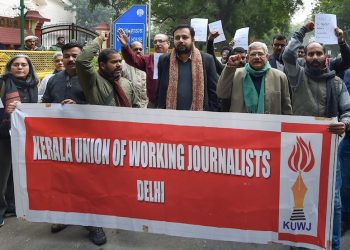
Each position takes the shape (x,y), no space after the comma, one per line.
(105,86)
(187,77)
(317,91)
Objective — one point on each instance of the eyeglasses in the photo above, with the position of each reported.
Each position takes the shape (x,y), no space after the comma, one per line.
(257,54)
(158,41)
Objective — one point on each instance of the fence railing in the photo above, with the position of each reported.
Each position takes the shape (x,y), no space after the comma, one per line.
(42,60)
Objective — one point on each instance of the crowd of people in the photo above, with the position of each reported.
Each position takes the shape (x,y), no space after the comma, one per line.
(295,79)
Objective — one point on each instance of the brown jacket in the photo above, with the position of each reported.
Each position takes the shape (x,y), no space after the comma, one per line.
(277,98)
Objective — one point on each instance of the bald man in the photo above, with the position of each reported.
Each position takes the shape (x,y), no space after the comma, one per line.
(136,77)
(145,62)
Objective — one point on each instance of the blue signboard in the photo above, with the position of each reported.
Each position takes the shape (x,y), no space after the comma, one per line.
(133,21)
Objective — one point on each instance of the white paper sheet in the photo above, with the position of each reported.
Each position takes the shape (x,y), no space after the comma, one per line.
(241,38)
(155,65)
(217,26)
(325,25)
(200,26)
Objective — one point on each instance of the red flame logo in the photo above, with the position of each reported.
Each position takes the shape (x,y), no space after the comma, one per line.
(302,158)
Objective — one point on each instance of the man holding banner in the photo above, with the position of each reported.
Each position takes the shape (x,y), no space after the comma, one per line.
(317,91)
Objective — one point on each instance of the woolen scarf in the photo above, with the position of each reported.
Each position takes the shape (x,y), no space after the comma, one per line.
(13,84)
(254,103)
(331,92)
(119,95)
(197,81)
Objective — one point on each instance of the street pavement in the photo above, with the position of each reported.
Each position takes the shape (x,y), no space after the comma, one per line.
(18,234)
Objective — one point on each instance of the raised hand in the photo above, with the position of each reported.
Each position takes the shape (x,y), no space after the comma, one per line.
(123,37)
(310,26)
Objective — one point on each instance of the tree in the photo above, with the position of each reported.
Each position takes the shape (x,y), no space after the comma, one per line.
(90,18)
(119,6)
(262,16)
(341,8)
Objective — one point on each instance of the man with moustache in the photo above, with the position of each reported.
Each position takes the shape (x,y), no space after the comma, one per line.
(187,77)
(64,86)
(30,43)
(145,62)
(256,87)
(105,86)
(317,91)
(339,64)
(136,77)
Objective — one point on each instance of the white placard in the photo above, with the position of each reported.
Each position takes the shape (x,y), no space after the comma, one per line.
(200,26)
(217,26)
(241,38)
(325,25)
(155,64)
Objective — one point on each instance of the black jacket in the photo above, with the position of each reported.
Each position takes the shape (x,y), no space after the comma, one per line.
(210,81)
(61,87)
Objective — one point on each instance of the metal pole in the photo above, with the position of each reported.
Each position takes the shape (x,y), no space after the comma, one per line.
(22,23)
(149,26)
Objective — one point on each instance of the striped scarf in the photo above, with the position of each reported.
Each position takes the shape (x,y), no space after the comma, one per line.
(197,81)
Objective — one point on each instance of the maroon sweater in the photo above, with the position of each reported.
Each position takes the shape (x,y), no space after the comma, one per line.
(146,64)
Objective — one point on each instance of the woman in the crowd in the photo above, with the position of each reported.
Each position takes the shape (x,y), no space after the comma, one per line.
(17,84)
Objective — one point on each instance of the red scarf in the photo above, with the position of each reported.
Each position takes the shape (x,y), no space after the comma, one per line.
(120,97)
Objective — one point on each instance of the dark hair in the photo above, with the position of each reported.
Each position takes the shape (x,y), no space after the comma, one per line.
(32,76)
(279,37)
(301,47)
(185,26)
(323,47)
(71,45)
(104,55)
(58,38)
(238,50)
(225,48)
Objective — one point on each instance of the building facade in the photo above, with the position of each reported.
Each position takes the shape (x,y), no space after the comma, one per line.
(38,14)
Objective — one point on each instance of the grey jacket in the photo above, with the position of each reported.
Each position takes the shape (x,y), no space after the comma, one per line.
(309,95)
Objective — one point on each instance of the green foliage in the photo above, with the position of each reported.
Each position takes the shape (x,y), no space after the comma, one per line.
(341,8)
(264,17)
(90,18)
(119,6)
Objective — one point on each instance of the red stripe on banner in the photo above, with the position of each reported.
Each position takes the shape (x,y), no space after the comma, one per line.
(208,199)
(320,240)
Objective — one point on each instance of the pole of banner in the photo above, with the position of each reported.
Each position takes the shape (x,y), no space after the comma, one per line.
(22,22)
(149,26)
